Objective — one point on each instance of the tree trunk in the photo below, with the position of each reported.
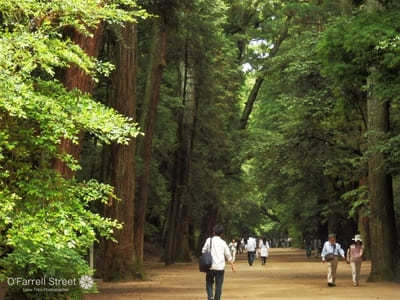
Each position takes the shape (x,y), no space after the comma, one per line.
(363,228)
(152,95)
(208,221)
(382,222)
(260,79)
(363,216)
(119,169)
(250,102)
(76,78)
(180,207)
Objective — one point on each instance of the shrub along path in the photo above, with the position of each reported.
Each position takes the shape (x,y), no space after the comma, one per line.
(287,275)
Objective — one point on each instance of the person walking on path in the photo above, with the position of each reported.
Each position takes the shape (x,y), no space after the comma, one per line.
(251,250)
(233,246)
(330,254)
(263,246)
(354,258)
(219,252)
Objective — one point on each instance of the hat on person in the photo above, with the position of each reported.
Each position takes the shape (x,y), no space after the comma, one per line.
(332,235)
(357,238)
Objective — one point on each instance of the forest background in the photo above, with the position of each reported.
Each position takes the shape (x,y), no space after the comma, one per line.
(137,126)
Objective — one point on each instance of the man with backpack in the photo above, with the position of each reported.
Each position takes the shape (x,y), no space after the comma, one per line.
(219,252)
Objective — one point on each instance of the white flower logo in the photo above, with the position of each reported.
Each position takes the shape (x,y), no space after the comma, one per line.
(86,282)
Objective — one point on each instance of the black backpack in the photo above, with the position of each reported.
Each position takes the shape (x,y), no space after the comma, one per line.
(205,260)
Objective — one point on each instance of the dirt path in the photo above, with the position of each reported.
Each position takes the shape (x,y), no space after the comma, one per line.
(287,275)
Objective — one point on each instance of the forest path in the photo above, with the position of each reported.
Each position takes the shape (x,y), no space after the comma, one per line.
(287,275)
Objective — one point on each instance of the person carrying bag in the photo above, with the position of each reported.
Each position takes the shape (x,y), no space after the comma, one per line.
(205,260)
(219,251)
(330,254)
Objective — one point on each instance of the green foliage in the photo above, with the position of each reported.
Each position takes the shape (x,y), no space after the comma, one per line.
(306,142)
(302,144)
(350,46)
(297,169)
(51,237)
(45,222)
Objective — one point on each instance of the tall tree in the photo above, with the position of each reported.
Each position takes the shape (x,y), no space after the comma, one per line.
(365,68)
(180,206)
(381,222)
(36,112)
(75,77)
(156,67)
(118,160)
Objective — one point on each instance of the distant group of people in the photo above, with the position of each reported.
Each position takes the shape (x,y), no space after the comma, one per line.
(253,249)
(221,251)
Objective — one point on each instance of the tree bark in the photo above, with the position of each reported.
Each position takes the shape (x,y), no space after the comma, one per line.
(382,222)
(363,228)
(76,78)
(152,95)
(180,206)
(363,216)
(208,221)
(119,169)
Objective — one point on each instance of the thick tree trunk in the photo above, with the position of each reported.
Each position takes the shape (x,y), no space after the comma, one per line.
(187,139)
(119,169)
(76,78)
(382,222)
(173,210)
(183,233)
(180,207)
(152,95)
(208,221)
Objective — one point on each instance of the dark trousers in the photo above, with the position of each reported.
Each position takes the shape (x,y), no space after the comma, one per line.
(251,255)
(263,260)
(217,277)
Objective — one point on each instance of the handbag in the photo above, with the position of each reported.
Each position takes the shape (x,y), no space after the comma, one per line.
(205,260)
(331,256)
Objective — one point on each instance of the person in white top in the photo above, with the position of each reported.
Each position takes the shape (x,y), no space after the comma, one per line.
(242,245)
(233,247)
(251,250)
(219,252)
(354,257)
(263,246)
(330,254)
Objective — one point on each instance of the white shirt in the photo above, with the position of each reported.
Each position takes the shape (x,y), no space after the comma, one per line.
(232,246)
(263,248)
(251,244)
(334,249)
(219,251)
